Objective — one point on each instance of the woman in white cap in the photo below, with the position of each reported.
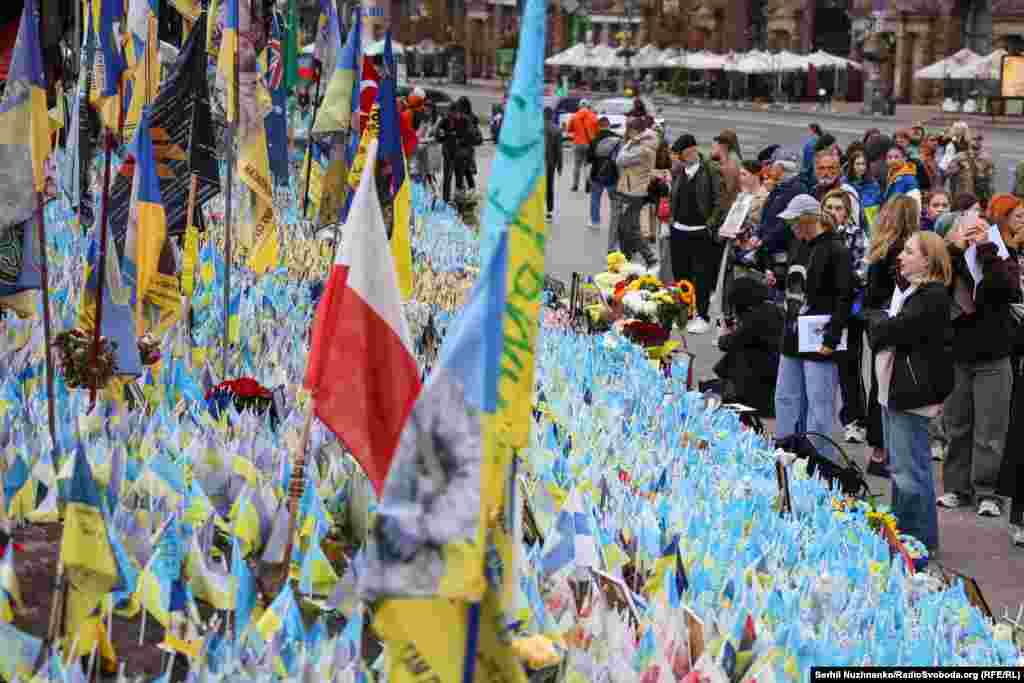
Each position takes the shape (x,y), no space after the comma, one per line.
(819,282)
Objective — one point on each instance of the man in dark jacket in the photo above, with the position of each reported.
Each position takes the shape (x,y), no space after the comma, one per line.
(552,156)
(773,232)
(604,174)
(750,365)
(696,217)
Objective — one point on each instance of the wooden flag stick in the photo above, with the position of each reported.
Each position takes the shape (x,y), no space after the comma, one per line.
(44,274)
(104,218)
(296,488)
(192,189)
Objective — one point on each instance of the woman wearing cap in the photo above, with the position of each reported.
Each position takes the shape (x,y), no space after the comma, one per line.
(819,282)
(977,414)
(912,371)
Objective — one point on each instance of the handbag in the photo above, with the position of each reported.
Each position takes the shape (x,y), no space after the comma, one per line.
(664,210)
(848,478)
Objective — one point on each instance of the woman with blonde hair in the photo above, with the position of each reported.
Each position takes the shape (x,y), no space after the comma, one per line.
(914,374)
(898,220)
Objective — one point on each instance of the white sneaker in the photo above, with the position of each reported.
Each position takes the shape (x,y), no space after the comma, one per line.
(1017,535)
(549,216)
(989,508)
(855,433)
(938,451)
(698,326)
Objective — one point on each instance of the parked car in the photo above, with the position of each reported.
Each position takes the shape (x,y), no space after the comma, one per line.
(616,108)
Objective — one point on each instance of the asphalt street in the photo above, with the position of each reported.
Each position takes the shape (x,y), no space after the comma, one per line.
(757,130)
(971,545)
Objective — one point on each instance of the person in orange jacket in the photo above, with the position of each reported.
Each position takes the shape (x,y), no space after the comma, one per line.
(583,129)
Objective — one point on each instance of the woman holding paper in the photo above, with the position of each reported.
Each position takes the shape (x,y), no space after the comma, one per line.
(914,375)
(819,296)
(977,413)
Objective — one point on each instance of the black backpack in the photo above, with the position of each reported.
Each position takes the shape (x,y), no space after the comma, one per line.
(606,171)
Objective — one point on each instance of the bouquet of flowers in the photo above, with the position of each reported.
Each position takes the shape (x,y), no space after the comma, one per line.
(149,349)
(646,298)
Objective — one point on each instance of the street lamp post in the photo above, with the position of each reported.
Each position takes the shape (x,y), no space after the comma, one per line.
(627,51)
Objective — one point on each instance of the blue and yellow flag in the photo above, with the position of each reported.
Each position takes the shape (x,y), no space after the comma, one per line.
(143,59)
(85,551)
(227,62)
(473,412)
(24,146)
(335,113)
(109,65)
(147,224)
(390,150)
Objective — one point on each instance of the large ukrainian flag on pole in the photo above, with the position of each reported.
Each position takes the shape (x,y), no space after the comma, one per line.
(446,488)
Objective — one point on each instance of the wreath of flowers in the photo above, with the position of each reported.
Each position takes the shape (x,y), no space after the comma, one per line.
(75,359)
(246,394)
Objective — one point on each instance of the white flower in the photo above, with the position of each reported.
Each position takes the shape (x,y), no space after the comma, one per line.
(633,301)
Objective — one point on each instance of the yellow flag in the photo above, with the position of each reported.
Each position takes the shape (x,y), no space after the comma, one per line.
(254,170)
(401,242)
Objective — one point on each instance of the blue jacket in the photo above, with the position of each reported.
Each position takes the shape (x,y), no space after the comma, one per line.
(807,170)
(774,232)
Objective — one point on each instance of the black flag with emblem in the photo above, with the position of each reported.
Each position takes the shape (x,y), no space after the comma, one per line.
(181,127)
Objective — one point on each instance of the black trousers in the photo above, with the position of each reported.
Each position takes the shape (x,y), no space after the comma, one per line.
(851,381)
(549,194)
(463,178)
(695,257)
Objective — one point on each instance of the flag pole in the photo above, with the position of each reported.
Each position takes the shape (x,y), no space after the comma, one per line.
(309,147)
(101,263)
(44,273)
(296,487)
(228,212)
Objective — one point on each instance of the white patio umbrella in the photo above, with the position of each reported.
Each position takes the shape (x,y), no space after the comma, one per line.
(984,68)
(755,62)
(377,48)
(574,56)
(648,57)
(944,67)
(699,61)
(824,60)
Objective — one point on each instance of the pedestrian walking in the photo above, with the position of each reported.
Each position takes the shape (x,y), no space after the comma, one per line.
(604,174)
(583,128)
(552,157)
(696,217)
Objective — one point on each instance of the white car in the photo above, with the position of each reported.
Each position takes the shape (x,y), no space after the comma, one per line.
(616,108)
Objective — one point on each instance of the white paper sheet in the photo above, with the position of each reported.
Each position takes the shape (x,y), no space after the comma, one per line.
(810,331)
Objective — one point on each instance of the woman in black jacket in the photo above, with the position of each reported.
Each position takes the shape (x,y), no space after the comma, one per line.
(819,282)
(898,219)
(751,361)
(914,374)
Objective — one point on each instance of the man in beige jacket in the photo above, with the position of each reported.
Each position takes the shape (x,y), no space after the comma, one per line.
(636,162)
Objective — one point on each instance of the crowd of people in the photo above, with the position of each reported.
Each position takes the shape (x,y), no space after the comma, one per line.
(873,291)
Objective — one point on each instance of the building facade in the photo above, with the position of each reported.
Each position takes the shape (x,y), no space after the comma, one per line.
(892,37)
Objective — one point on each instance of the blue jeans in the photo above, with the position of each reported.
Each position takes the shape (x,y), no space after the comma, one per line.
(596,194)
(805,401)
(910,465)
